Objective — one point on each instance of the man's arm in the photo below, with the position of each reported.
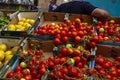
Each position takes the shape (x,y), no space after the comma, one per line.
(100,13)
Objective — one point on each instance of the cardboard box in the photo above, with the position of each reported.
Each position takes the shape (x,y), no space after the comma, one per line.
(83,18)
(44,45)
(48,18)
(13,45)
(28,15)
(108,51)
(52,17)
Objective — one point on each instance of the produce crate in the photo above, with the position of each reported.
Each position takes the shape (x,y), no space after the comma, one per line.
(46,18)
(37,44)
(27,44)
(84,18)
(27,15)
(108,51)
(106,58)
(109,31)
(12,46)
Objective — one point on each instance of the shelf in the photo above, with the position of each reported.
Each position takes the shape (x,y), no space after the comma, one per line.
(16,4)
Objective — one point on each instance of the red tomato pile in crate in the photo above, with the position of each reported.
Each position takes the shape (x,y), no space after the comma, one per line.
(72,62)
(109,30)
(63,31)
(107,69)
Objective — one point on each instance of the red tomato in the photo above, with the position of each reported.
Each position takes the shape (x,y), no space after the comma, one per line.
(95,39)
(10,75)
(63,51)
(51,58)
(29,52)
(109,77)
(38,52)
(52,32)
(57,36)
(33,73)
(107,65)
(62,60)
(73,72)
(63,33)
(102,72)
(35,31)
(117,58)
(57,41)
(42,71)
(76,52)
(67,22)
(99,23)
(76,59)
(59,75)
(28,77)
(51,75)
(73,34)
(26,71)
(64,71)
(114,73)
(80,33)
(90,71)
(77,39)
(51,64)
(69,33)
(65,39)
(79,65)
(98,67)
(19,75)
(77,21)
(100,61)
(18,69)
(93,44)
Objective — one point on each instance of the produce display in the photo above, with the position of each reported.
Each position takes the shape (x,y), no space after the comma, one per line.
(22,25)
(107,69)
(71,63)
(109,30)
(3,21)
(74,50)
(75,30)
(6,54)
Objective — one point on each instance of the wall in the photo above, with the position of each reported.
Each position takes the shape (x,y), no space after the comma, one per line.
(112,6)
(43,4)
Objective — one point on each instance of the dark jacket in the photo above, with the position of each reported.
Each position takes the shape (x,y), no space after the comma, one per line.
(77,7)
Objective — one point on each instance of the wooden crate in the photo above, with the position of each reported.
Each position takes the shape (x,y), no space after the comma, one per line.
(83,18)
(28,15)
(109,51)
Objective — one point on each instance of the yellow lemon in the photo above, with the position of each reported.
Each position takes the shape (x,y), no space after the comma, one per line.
(8,57)
(3,47)
(1,55)
(27,20)
(8,52)
(27,25)
(22,29)
(0,63)
(23,19)
(18,26)
(20,23)
(11,27)
(32,21)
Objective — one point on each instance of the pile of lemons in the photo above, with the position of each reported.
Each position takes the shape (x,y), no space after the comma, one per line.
(5,54)
(22,25)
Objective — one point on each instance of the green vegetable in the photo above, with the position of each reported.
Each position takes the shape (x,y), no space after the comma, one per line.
(3,21)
